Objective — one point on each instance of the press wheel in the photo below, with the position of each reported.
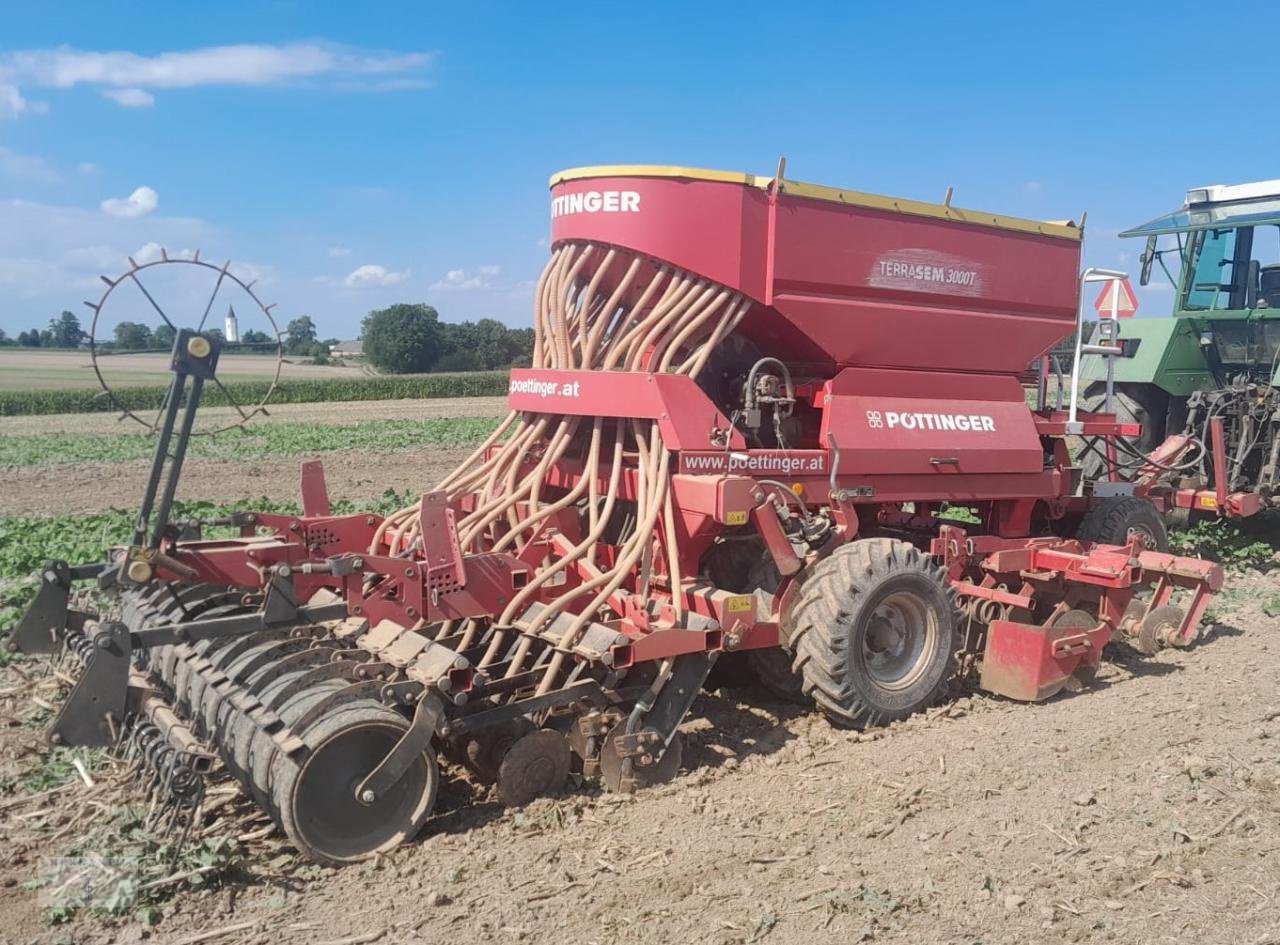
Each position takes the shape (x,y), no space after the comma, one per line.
(317,799)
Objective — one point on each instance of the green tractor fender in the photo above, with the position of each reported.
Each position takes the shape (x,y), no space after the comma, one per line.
(1168,355)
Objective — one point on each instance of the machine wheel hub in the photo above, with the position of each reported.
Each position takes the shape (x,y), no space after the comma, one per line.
(899,635)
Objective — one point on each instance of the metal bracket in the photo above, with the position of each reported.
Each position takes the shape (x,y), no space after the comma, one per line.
(412,743)
(42,627)
(315,493)
(673,701)
(446,569)
(281,604)
(93,715)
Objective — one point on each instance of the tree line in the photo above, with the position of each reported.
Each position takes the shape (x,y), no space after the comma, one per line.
(401,339)
(65,331)
(411,339)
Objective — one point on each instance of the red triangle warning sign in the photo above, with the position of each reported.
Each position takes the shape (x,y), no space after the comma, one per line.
(1116,299)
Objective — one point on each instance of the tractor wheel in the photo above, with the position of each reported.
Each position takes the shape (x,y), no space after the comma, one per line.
(874,632)
(1132,403)
(1115,518)
(773,669)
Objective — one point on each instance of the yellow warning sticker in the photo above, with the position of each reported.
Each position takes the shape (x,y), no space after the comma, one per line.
(740,603)
(735,518)
(1208,502)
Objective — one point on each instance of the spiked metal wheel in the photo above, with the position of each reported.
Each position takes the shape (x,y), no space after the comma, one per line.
(195,316)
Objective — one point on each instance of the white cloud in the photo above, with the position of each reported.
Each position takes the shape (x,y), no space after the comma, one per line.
(130,98)
(99,258)
(127,78)
(87,167)
(149,252)
(25,166)
(339,252)
(256,275)
(138,204)
(56,253)
(462,280)
(371,275)
(12,104)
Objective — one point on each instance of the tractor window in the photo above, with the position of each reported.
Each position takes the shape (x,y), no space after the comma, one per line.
(1266,250)
(1212,283)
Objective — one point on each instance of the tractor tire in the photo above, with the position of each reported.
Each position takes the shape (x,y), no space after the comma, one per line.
(773,670)
(1113,519)
(874,632)
(1146,404)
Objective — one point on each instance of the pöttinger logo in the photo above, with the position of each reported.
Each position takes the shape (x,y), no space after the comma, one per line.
(874,420)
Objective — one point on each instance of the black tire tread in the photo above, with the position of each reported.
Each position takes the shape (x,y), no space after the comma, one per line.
(821,650)
(1109,521)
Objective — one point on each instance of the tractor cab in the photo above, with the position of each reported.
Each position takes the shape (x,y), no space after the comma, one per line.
(1226,241)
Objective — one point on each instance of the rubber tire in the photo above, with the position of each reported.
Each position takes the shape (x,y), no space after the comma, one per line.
(829,621)
(773,668)
(1110,521)
(1146,404)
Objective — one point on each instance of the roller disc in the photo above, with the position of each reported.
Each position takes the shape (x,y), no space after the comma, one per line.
(642,775)
(242,728)
(247,735)
(535,766)
(210,710)
(317,800)
(1084,673)
(1157,630)
(482,753)
(264,751)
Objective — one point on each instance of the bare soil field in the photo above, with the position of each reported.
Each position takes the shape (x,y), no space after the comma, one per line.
(95,487)
(1143,810)
(351,474)
(33,369)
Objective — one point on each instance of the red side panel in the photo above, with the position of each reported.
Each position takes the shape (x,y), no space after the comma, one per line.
(840,283)
(894,290)
(911,422)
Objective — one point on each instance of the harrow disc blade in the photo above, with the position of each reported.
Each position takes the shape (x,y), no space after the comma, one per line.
(613,771)
(536,765)
(316,796)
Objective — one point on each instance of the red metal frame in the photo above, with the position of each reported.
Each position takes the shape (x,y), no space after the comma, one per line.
(903,413)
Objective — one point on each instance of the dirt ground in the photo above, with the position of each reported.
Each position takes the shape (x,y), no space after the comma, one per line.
(354,474)
(1144,810)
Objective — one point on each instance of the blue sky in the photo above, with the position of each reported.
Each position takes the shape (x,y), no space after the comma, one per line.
(353,155)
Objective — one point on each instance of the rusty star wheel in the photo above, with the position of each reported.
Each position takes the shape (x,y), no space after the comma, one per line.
(155,300)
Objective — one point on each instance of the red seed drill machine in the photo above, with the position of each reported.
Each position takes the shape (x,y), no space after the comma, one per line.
(762,418)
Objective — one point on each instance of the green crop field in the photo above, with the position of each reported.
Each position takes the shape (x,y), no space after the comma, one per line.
(253,441)
(25,401)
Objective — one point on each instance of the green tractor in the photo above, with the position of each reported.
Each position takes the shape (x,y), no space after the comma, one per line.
(1205,383)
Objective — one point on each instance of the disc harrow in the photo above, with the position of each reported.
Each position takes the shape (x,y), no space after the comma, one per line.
(718,449)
